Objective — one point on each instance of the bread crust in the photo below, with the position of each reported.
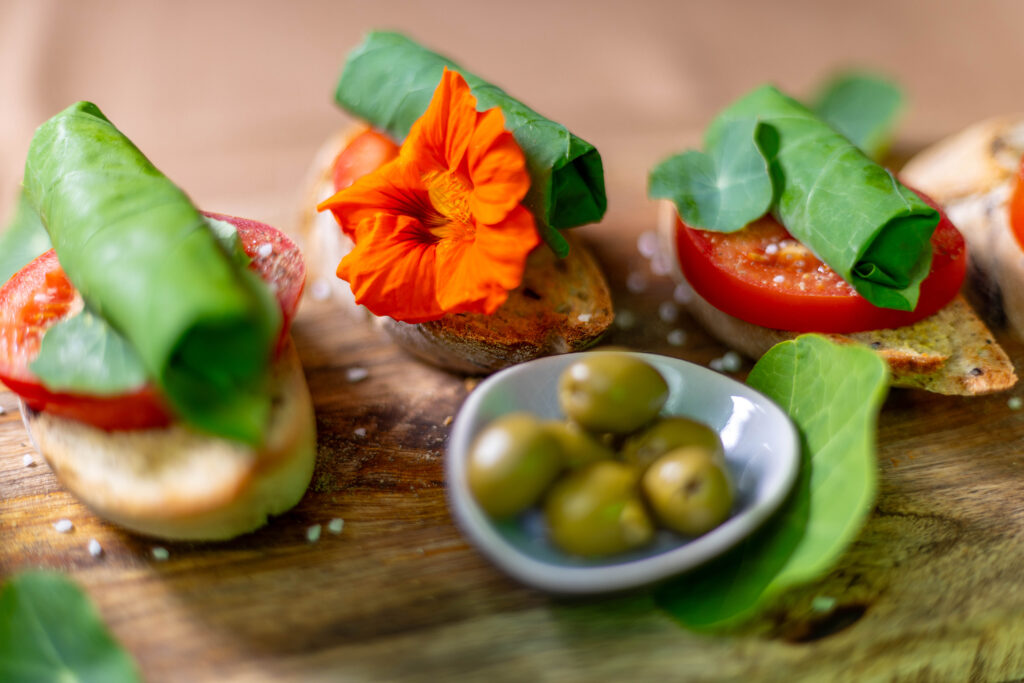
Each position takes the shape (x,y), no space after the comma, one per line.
(562,305)
(972,175)
(951,352)
(175,483)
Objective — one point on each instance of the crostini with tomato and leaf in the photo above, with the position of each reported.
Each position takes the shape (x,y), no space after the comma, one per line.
(783,225)
(149,345)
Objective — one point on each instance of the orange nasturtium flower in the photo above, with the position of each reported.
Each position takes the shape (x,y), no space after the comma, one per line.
(440,229)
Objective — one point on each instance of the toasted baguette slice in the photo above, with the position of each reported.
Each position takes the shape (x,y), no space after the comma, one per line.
(177,484)
(562,305)
(950,352)
(972,175)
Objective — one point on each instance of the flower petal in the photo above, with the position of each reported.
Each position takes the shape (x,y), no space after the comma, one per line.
(497,169)
(392,269)
(438,140)
(395,188)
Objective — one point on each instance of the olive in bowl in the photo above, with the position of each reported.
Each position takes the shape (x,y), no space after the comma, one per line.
(668,433)
(611,392)
(689,490)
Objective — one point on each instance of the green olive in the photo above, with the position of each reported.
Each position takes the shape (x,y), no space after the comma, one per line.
(578,446)
(688,490)
(611,392)
(667,434)
(597,510)
(511,463)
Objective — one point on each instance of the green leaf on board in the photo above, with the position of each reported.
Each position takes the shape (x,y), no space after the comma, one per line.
(851,212)
(50,631)
(862,106)
(389,80)
(24,239)
(833,394)
(140,254)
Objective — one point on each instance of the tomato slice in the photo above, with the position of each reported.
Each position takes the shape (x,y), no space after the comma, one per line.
(1017,207)
(365,153)
(762,275)
(40,295)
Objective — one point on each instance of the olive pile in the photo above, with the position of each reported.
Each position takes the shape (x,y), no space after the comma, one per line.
(669,471)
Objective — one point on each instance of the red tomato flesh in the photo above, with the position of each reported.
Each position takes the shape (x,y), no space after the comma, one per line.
(40,295)
(1017,207)
(364,154)
(762,275)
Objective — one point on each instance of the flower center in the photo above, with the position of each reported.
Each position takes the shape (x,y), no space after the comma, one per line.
(449,197)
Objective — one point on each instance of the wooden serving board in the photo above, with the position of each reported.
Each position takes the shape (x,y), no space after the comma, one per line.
(932,590)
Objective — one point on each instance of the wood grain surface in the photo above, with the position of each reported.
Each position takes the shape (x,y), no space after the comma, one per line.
(930,591)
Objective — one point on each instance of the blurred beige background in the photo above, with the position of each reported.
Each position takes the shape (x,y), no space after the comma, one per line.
(231,99)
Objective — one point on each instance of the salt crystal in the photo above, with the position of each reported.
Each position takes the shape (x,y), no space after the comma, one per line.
(360,432)
(676,337)
(668,312)
(625,319)
(313,533)
(647,244)
(3,411)
(28,460)
(771,249)
(320,289)
(95,549)
(683,293)
(63,525)
(356,374)
(778,278)
(336,525)
(731,361)
(660,264)
(584,317)
(1015,402)
(716,364)
(636,282)
(265,249)
(160,554)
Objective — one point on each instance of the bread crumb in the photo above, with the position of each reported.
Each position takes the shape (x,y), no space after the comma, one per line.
(95,549)
(676,337)
(356,374)
(636,282)
(360,432)
(63,525)
(265,249)
(668,312)
(1015,402)
(27,460)
(320,289)
(160,553)
(313,533)
(447,421)
(470,383)
(336,525)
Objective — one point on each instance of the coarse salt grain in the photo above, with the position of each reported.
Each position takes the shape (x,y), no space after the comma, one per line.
(28,460)
(716,364)
(95,549)
(660,265)
(265,249)
(160,554)
(360,432)
(636,282)
(356,374)
(336,525)
(313,533)
(731,361)
(676,337)
(584,317)
(668,312)
(1015,402)
(778,278)
(683,293)
(647,244)
(320,290)
(771,249)
(63,525)
(3,411)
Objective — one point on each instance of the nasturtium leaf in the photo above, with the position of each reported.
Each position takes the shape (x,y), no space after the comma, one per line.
(50,631)
(138,251)
(23,239)
(862,106)
(722,190)
(389,80)
(833,394)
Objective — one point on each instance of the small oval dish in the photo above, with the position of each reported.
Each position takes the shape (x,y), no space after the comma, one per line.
(761,450)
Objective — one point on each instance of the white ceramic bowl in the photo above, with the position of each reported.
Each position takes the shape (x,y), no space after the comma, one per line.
(761,449)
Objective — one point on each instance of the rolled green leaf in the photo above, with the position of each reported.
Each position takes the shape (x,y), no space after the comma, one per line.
(145,260)
(24,239)
(851,212)
(389,81)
